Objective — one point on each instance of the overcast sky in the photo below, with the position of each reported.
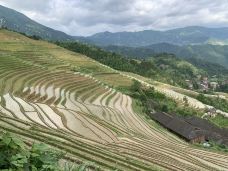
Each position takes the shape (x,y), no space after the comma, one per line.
(86,17)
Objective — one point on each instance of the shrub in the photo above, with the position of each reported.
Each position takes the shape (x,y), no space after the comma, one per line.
(15,155)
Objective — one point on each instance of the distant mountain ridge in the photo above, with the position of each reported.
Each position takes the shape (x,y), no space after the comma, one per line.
(17,21)
(180,36)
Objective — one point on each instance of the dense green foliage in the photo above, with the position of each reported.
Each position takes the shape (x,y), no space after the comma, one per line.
(213,58)
(131,52)
(164,67)
(215,72)
(153,100)
(15,155)
(211,68)
(223,88)
(169,69)
(217,102)
(111,59)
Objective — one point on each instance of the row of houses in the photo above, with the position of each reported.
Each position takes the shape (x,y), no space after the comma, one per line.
(192,129)
(203,85)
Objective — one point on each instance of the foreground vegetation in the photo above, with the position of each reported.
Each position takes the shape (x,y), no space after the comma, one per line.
(15,155)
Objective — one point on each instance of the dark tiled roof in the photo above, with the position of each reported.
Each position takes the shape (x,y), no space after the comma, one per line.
(212,132)
(206,125)
(192,127)
(178,125)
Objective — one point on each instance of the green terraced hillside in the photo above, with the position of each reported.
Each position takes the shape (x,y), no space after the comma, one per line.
(49,94)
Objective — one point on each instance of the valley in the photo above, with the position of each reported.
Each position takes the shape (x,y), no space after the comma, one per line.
(72,103)
(113,85)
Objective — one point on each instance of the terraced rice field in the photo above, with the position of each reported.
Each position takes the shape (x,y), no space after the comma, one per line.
(41,99)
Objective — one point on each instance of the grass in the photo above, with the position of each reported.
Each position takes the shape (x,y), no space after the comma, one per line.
(220,121)
(114,79)
(140,110)
(214,147)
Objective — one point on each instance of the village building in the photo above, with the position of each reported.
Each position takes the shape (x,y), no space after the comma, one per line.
(189,83)
(179,127)
(211,132)
(213,85)
(210,112)
(204,84)
(163,66)
(192,129)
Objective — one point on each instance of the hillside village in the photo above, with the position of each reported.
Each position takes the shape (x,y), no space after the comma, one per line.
(204,84)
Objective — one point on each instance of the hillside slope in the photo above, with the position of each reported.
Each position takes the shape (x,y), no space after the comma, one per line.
(166,68)
(45,97)
(210,53)
(16,21)
(214,54)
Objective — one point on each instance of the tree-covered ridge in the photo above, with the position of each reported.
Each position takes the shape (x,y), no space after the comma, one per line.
(163,67)
(111,59)
(206,53)
(19,22)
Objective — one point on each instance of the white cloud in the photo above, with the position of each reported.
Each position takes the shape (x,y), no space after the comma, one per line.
(78,17)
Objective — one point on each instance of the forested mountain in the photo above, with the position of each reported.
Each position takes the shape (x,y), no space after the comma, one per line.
(180,36)
(211,53)
(163,67)
(16,21)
